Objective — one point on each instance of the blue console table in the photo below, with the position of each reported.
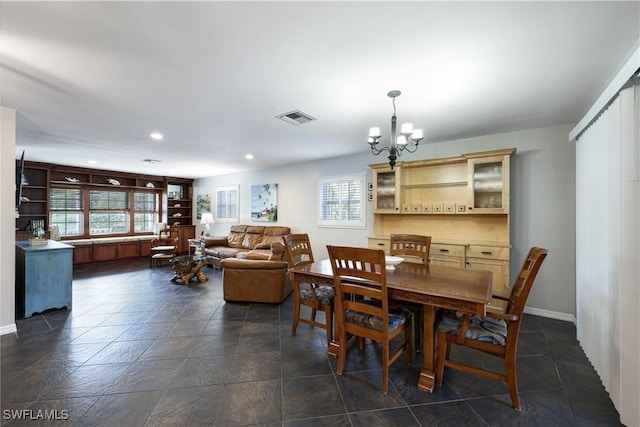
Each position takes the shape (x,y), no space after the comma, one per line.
(44,275)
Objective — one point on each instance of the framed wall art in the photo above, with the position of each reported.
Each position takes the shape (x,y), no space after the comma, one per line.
(203,204)
(264,203)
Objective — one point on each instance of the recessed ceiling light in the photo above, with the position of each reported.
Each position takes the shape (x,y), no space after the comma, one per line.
(249,156)
(156,135)
(92,162)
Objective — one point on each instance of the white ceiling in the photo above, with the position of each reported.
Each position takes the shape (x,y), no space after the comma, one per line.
(91,80)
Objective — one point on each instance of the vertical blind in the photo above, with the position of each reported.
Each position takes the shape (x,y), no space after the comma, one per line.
(608,250)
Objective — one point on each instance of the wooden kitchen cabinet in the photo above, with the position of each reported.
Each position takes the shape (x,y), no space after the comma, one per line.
(447,255)
(493,259)
(462,202)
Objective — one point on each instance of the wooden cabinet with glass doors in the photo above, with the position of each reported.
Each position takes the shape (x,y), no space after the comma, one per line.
(488,184)
(386,190)
(462,202)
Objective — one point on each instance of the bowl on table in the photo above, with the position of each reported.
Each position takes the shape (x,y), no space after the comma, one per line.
(392,261)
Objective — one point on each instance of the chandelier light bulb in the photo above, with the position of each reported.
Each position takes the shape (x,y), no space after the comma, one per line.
(374,132)
(402,140)
(406,129)
(416,135)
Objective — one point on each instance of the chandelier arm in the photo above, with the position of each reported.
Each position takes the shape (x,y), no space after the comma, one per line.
(409,150)
(377,151)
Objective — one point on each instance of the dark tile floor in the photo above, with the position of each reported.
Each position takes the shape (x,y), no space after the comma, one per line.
(139,350)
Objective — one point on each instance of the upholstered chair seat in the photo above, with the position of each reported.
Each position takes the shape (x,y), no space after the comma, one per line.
(480,328)
(397,317)
(324,294)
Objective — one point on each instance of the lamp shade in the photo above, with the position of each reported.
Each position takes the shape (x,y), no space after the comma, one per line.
(207,218)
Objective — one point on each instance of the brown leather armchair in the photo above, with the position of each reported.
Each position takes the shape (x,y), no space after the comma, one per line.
(251,280)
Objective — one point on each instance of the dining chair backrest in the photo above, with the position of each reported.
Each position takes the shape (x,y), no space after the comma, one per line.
(298,249)
(524,282)
(367,267)
(414,246)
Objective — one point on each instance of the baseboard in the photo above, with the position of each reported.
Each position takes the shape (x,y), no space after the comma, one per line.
(551,314)
(8,329)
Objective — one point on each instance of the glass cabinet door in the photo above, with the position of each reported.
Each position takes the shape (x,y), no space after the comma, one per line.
(386,190)
(489,185)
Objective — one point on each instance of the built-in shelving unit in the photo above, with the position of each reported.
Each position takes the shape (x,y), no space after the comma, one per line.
(180,211)
(175,205)
(34,201)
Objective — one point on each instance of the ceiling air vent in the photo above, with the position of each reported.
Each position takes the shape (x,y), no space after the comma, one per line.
(296,117)
(151,161)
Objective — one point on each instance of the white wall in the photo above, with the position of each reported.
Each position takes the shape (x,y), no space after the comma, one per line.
(542,207)
(7,220)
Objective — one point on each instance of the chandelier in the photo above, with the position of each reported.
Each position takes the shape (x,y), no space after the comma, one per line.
(407,140)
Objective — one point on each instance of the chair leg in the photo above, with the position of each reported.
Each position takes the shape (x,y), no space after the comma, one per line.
(342,353)
(328,314)
(385,367)
(417,321)
(408,351)
(512,382)
(296,315)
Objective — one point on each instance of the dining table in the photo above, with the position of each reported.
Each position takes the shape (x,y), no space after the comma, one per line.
(433,286)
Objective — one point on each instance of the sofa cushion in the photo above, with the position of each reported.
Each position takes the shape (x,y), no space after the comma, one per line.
(274,234)
(229,252)
(253,236)
(259,254)
(236,236)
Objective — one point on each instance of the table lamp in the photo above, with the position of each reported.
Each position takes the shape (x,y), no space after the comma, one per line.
(207,218)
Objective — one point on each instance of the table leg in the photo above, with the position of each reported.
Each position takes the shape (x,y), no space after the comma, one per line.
(427,375)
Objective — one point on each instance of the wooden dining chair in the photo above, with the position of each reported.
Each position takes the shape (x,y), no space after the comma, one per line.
(162,249)
(316,297)
(495,334)
(362,305)
(412,248)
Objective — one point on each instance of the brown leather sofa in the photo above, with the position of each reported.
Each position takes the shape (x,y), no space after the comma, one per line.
(249,280)
(252,242)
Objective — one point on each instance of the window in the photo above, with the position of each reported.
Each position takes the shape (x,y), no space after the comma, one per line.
(108,212)
(65,205)
(145,212)
(227,204)
(341,201)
